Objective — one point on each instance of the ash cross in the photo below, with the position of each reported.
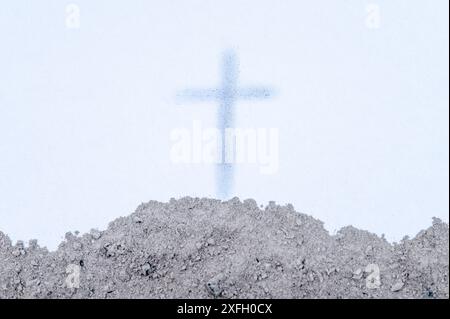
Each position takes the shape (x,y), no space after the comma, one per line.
(226,95)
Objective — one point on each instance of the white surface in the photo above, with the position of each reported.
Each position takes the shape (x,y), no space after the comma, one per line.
(86,114)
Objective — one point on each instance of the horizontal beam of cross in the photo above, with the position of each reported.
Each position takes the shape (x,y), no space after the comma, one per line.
(220,95)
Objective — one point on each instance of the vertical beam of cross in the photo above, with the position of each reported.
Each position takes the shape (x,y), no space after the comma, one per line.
(227,95)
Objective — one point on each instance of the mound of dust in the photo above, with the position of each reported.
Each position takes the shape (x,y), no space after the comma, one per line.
(204,248)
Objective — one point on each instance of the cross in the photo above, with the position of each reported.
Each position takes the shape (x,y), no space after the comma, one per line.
(226,95)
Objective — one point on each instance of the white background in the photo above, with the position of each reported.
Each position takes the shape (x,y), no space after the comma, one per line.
(86,114)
